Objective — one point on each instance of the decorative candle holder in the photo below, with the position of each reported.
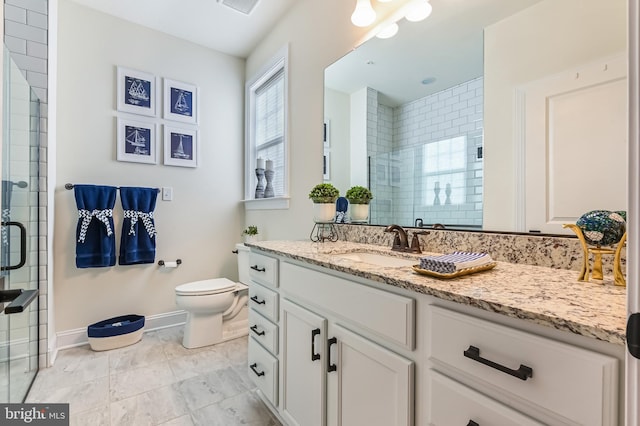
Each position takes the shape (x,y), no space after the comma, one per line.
(259,186)
(268,190)
(596,272)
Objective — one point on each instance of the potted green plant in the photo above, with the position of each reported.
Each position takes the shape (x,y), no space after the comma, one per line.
(359,198)
(250,234)
(324,196)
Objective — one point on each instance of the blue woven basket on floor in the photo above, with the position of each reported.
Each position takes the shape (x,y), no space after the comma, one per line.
(116,332)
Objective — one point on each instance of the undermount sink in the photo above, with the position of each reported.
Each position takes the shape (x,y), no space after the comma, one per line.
(377,259)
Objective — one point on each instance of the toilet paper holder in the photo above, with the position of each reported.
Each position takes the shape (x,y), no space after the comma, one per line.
(163,263)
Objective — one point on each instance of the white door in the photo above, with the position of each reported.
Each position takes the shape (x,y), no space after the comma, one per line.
(576,121)
(366,383)
(632,363)
(303,360)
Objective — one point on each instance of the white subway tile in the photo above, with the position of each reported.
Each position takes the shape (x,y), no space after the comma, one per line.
(37,50)
(36,19)
(25,32)
(15,13)
(15,44)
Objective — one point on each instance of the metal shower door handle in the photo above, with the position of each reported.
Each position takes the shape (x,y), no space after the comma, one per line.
(23,246)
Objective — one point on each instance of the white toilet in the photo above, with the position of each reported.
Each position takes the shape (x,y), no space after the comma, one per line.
(216,307)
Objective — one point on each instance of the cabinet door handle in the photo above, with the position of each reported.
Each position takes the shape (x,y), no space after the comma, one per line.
(259,302)
(257,268)
(314,355)
(331,367)
(472,423)
(234,251)
(522,373)
(254,328)
(255,370)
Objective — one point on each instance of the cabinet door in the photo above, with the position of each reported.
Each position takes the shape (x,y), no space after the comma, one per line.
(303,360)
(366,383)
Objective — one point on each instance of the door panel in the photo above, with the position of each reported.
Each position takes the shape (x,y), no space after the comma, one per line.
(19,236)
(575,121)
(303,360)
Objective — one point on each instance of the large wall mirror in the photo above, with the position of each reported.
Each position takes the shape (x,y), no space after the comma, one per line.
(505,115)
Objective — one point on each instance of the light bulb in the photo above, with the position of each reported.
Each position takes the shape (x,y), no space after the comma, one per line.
(363,15)
(419,10)
(385,1)
(388,31)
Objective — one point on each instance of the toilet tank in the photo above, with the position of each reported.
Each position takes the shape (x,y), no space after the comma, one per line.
(243,263)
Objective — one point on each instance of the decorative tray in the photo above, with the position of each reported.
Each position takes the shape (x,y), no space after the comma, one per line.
(459,273)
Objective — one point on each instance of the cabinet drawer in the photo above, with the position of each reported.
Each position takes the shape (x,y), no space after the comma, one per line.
(451,403)
(263,269)
(263,300)
(387,315)
(263,331)
(568,383)
(263,370)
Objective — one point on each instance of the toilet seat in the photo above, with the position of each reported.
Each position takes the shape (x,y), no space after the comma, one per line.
(205,287)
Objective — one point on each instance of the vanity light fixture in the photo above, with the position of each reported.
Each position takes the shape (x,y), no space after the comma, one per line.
(388,31)
(363,15)
(418,10)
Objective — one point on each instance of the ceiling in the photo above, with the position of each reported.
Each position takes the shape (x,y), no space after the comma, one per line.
(205,22)
(447,47)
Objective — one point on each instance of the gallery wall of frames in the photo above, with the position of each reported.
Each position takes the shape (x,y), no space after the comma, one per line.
(156,115)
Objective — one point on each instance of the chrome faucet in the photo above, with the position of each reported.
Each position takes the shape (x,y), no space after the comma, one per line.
(401,241)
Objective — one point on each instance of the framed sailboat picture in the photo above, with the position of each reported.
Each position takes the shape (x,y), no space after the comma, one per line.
(180,101)
(181,146)
(137,92)
(136,141)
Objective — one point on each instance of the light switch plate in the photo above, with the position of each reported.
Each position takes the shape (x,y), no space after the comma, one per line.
(167,193)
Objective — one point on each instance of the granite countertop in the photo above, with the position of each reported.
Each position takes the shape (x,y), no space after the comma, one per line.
(550,297)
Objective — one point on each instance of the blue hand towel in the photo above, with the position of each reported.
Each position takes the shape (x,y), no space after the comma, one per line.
(95,239)
(342,204)
(138,239)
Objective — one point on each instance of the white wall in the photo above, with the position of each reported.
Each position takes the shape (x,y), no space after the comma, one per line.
(336,110)
(543,40)
(318,33)
(203,221)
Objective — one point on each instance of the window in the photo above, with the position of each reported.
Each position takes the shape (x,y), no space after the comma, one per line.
(267,129)
(444,171)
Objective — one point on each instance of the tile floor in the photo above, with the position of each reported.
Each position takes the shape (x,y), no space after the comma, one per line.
(155,382)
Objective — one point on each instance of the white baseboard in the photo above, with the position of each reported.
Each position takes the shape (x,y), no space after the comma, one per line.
(78,337)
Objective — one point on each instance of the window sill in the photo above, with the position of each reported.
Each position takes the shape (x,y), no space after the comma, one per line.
(279,203)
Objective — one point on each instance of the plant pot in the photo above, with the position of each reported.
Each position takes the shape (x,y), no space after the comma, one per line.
(359,212)
(251,238)
(324,212)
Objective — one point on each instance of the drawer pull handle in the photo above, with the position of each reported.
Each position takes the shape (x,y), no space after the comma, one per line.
(472,423)
(331,367)
(314,355)
(257,268)
(521,373)
(255,370)
(254,328)
(259,302)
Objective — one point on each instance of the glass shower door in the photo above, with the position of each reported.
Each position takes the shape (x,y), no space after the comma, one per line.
(18,236)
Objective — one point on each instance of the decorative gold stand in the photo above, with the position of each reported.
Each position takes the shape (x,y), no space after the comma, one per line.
(618,276)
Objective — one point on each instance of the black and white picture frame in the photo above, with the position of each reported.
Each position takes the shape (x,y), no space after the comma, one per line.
(326,133)
(137,92)
(181,146)
(136,141)
(326,165)
(180,101)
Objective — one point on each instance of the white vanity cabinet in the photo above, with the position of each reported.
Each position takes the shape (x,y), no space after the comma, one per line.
(331,374)
(263,305)
(553,382)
